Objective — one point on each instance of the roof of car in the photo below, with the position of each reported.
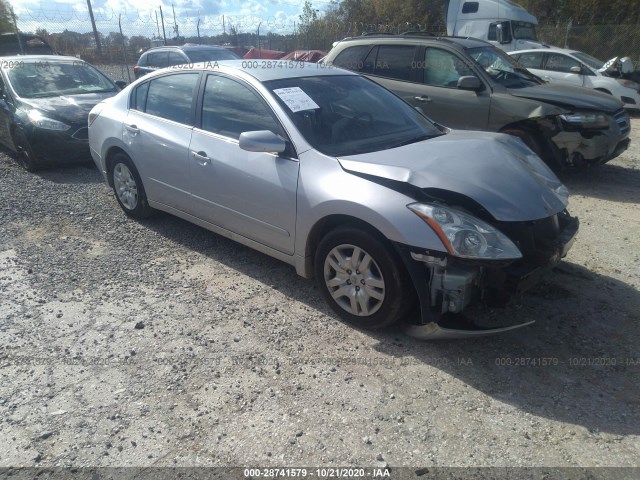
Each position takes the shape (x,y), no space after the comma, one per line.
(413,37)
(265,70)
(187,47)
(39,58)
(543,50)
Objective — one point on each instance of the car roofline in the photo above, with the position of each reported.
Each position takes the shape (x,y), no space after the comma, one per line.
(248,68)
(418,36)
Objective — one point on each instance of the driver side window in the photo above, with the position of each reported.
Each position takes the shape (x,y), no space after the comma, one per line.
(229,108)
(444,69)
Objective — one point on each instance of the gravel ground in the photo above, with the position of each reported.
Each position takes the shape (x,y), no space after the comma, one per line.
(157,343)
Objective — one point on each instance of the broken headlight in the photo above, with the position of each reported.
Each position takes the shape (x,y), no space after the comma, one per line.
(465,236)
(586,120)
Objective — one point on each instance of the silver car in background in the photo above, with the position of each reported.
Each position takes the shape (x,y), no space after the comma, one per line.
(395,216)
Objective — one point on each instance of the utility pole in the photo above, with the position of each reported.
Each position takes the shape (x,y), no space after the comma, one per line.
(175,23)
(124,48)
(198,29)
(96,35)
(259,46)
(164,34)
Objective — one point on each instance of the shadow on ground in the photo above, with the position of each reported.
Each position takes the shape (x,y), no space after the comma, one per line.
(586,333)
(607,182)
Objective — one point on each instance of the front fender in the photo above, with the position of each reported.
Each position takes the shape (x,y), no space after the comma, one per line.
(325,190)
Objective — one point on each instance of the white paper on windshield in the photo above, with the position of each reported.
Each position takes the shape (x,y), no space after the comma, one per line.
(296,99)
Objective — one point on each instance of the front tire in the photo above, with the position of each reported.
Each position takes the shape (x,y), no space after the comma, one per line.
(128,187)
(24,153)
(362,279)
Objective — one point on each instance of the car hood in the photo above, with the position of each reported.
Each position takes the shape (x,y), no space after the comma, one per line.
(495,170)
(67,108)
(572,97)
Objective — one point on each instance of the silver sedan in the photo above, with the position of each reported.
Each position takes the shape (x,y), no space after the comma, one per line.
(395,216)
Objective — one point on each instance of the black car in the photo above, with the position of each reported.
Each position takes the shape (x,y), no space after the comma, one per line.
(161,57)
(44,105)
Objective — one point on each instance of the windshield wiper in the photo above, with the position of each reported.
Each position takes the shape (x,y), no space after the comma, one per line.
(417,139)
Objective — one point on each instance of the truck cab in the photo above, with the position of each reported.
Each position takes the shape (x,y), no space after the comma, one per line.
(505,24)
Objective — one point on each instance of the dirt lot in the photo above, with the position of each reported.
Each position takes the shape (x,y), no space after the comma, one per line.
(157,343)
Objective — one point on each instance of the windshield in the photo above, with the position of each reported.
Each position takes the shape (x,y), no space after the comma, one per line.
(50,79)
(349,115)
(524,31)
(593,62)
(503,68)
(197,56)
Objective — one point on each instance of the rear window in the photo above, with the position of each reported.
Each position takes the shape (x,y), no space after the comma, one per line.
(395,61)
(351,58)
(158,59)
(171,97)
(210,55)
(530,60)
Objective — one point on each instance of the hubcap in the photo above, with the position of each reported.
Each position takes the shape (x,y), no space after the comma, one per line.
(354,280)
(125,186)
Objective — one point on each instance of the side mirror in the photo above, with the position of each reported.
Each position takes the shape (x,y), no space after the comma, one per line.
(262,141)
(575,69)
(469,83)
(503,33)
(120,84)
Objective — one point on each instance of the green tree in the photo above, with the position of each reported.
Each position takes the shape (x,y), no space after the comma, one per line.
(6,21)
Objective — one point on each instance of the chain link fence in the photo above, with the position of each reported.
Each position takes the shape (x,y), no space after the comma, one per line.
(122,36)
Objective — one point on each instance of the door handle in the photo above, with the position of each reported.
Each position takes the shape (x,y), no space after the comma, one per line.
(132,128)
(201,157)
(423,98)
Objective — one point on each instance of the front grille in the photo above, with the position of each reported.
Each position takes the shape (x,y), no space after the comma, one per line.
(536,240)
(81,134)
(622,119)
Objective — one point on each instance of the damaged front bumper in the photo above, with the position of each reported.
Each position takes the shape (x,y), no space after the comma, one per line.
(447,285)
(580,146)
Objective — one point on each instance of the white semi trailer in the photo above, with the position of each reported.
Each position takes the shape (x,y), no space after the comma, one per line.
(505,24)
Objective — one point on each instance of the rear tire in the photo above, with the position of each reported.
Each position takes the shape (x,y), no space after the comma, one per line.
(128,187)
(362,279)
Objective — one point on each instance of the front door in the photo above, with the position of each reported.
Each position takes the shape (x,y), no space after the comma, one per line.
(250,193)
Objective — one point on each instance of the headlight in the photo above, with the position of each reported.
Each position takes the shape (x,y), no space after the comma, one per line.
(36,118)
(465,236)
(587,120)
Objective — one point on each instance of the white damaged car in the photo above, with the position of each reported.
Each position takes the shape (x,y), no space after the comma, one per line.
(582,70)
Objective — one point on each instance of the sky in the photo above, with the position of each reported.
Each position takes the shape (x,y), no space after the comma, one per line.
(138,16)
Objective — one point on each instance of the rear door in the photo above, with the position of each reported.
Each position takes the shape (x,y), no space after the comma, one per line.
(249,193)
(532,61)
(157,132)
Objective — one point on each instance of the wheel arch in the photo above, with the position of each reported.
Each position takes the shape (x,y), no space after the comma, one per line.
(108,160)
